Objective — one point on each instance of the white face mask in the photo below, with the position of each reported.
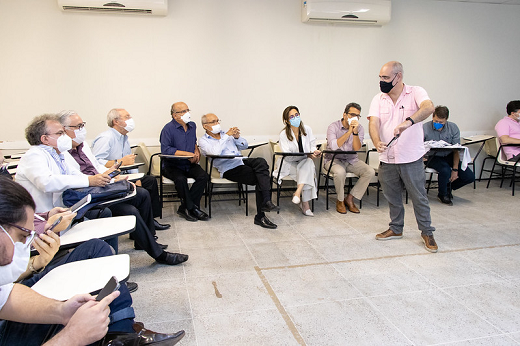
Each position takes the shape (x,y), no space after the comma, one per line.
(130,125)
(64,143)
(81,135)
(12,271)
(186,117)
(215,129)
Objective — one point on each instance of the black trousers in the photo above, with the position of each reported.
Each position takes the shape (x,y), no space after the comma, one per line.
(140,207)
(255,172)
(190,198)
(149,183)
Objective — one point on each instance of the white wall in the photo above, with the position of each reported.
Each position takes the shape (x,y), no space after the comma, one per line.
(246,60)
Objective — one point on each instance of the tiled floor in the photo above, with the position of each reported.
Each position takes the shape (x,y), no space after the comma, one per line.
(327,281)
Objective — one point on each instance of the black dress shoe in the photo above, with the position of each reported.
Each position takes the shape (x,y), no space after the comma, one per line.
(269,206)
(199,214)
(186,214)
(132,286)
(138,247)
(172,258)
(160,226)
(265,223)
(148,337)
(120,339)
(445,199)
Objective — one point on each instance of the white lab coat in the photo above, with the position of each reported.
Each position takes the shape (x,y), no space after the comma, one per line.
(300,168)
(41,176)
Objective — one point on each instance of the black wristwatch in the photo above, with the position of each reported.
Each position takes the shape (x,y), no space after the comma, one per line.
(411,120)
(454,169)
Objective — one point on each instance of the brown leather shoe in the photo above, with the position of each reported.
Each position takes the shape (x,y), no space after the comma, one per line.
(429,243)
(340,207)
(148,337)
(351,207)
(388,234)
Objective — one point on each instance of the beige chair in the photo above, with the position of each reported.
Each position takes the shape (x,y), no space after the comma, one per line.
(278,159)
(328,175)
(505,165)
(153,165)
(216,182)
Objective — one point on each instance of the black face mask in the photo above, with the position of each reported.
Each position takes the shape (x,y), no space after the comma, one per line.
(387,86)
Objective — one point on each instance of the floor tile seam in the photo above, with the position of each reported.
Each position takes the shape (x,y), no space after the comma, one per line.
(191,306)
(385,257)
(281,309)
(249,271)
(231,313)
(389,321)
(473,312)
(490,271)
(479,338)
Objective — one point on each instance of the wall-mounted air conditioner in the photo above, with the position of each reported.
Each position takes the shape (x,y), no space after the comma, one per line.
(366,12)
(148,7)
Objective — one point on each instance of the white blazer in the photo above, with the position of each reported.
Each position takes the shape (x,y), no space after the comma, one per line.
(287,146)
(41,176)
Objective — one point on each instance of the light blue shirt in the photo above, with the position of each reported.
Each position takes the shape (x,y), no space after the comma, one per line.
(110,145)
(226,145)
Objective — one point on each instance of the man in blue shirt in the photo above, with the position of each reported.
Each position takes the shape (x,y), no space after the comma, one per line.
(447,164)
(179,138)
(253,171)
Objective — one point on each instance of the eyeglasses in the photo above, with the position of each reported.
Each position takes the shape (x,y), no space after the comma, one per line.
(213,122)
(387,78)
(31,235)
(354,114)
(59,133)
(295,115)
(79,126)
(183,112)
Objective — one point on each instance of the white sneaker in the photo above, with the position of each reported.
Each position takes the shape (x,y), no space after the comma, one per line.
(296,199)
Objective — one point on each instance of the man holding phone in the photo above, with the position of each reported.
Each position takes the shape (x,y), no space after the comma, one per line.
(81,158)
(39,318)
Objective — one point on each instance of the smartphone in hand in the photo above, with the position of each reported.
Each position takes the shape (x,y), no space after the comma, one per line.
(114,174)
(81,203)
(55,223)
(110,287)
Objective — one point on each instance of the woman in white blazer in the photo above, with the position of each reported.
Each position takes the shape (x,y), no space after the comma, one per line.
(298,138)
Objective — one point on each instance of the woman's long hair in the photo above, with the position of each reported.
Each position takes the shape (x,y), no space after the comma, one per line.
(287,123)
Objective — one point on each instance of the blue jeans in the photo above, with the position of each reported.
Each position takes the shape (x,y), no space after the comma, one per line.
(443,165)
(121,311)
(392,178)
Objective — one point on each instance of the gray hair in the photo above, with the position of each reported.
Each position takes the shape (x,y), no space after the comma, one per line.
(113,115)
(397,67)
(204,119)
(65,115)
(38,127)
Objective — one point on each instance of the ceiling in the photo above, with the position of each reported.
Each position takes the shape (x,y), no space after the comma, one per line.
(504,2)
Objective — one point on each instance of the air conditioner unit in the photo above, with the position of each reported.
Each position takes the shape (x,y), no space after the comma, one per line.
(367,12)
(148,7)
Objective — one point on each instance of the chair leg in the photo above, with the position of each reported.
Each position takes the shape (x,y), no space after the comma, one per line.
(490,173)
(247,202)
(378,187)
(278,196)
(209,198)
(327,193)
(429,183)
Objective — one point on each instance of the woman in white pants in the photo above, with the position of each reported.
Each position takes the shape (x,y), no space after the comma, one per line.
(298,138)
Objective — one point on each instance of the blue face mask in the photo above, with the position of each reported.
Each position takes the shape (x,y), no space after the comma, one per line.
(295,121)
(438,126)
